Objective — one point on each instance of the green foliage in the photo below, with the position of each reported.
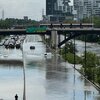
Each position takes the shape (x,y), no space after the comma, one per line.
(69,47)
(4,24)
(91,70)
(86,20)
(90,38)
(68,53)
(97,75)
(2,37)
(88,73)
(91,60)
(9,22)
(98,80)
(95,20)
(70,58)
(70,21)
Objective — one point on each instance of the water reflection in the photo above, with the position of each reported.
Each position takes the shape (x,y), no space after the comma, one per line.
(56,78)
(93,47)
(63,82)
(97,97)
(24,81)
(10,81)
(54,68)
(47,79)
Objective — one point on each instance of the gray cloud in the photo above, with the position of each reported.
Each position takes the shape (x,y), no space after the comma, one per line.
(20,8)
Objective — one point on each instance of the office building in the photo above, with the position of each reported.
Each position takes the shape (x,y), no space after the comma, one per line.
(86,8)
(50,4)
(58,10)
(25,18)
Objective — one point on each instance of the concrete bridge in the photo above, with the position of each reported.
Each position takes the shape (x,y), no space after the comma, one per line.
(55,30)
(49,30)
(54,33)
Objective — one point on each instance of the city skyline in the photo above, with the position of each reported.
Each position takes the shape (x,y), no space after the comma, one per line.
(86,8)
(20,8)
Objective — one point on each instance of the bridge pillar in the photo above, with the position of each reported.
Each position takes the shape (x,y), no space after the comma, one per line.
(54,39)
(59,38)
(43,37)
(48,40)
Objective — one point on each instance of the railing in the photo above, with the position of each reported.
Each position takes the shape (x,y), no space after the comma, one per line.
(70,25)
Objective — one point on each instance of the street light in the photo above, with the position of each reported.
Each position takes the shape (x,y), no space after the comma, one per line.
(92,13)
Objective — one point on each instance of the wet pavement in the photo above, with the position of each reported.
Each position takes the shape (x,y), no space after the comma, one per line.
(46,77)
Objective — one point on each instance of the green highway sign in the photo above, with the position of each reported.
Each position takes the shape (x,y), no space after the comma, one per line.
(36,29)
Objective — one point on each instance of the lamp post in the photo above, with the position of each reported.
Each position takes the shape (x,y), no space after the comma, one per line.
(92,13)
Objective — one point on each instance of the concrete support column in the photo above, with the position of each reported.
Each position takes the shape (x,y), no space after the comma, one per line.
(59,38)
(54,39)
(43,37)
(50,44)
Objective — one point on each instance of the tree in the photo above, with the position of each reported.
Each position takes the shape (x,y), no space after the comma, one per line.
(91,60)
(90,66)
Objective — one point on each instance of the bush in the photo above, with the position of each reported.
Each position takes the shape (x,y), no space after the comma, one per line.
(70,58)
(91,69)
(69,47)
(98,80)
(91,60)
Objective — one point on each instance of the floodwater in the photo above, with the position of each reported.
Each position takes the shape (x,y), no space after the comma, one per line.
(42,77)
(92,47)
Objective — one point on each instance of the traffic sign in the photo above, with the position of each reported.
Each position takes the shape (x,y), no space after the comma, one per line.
(36,29)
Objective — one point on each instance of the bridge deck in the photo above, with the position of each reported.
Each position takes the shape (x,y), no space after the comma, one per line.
(48,31)
(77,30)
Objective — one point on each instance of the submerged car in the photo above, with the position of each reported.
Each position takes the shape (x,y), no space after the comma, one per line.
(32,47)
(18,44)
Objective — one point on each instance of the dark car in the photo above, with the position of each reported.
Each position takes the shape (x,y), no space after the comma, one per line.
(32,47)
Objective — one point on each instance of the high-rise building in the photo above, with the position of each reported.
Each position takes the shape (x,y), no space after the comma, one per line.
(58,10)
(86,8)
(25,18)
(50,4)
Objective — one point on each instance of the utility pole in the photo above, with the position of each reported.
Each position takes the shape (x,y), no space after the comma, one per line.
(92,13)
(3,14)
(43,14)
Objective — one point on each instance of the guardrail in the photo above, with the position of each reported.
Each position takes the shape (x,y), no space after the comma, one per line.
(70,25)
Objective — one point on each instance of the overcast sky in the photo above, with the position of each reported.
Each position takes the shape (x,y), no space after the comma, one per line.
(20,8)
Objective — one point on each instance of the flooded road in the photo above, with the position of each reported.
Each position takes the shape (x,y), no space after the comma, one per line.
(47,77)
(93,47)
